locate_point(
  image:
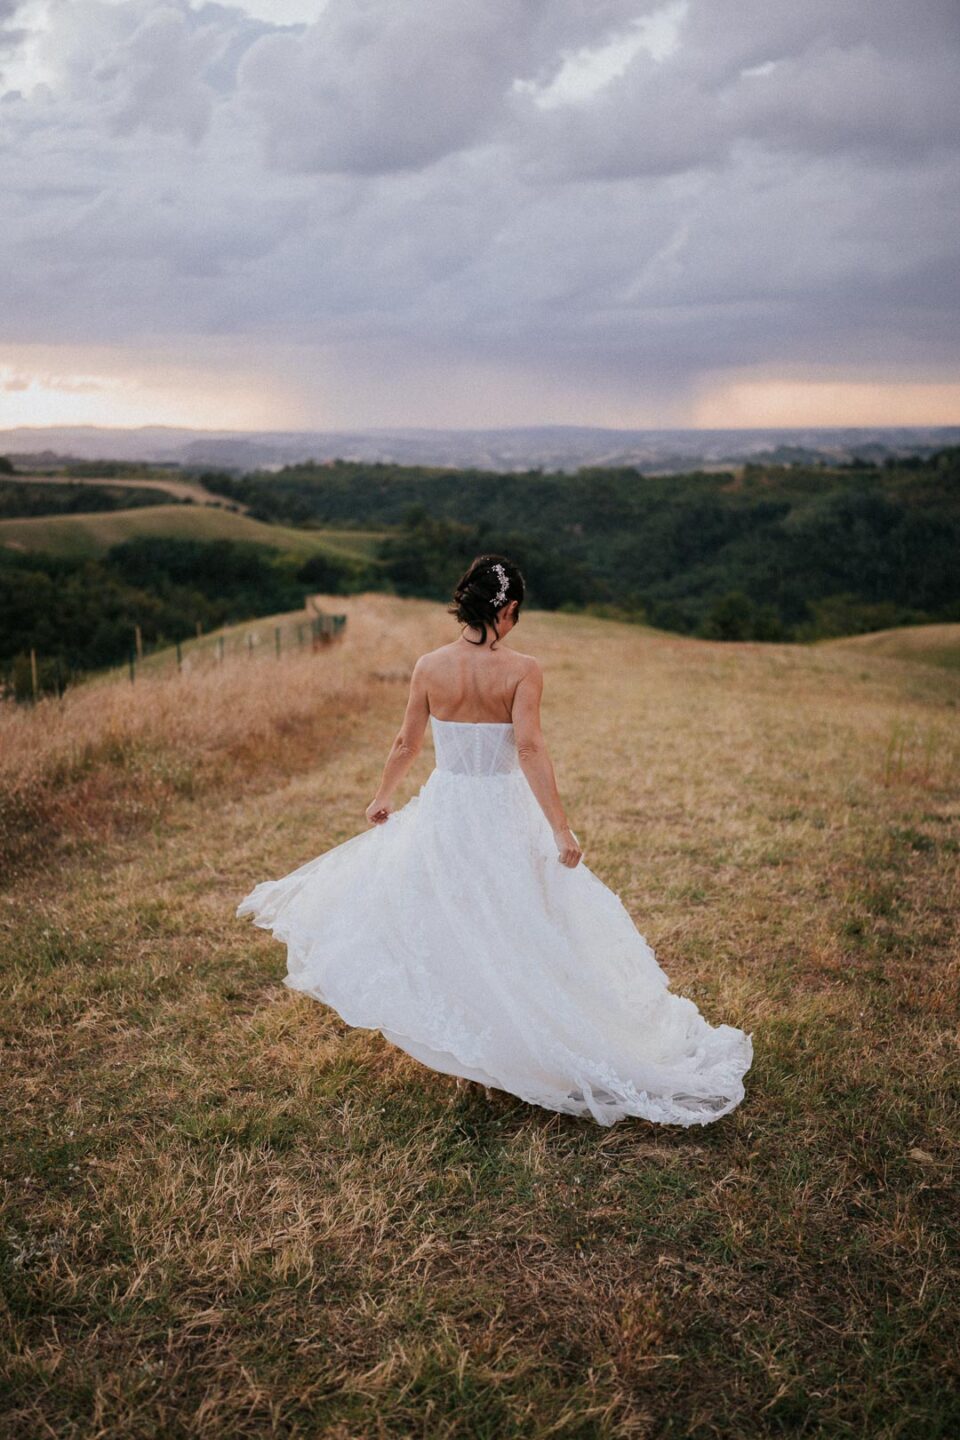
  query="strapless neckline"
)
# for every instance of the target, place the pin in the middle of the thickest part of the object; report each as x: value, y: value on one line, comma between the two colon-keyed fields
x: 504, y: 724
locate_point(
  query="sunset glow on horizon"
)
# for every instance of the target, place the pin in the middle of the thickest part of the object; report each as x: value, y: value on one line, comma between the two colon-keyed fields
x: 126, y: 399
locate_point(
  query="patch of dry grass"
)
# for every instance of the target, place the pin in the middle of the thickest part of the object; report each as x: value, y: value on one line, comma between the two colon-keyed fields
x: 110, y: 755
x: 226, y: 1213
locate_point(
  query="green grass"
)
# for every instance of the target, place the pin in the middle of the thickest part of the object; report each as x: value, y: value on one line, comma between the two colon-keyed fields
x: 94, y: 534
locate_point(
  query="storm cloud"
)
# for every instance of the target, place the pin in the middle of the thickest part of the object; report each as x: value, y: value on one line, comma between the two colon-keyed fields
x: 550, y: 197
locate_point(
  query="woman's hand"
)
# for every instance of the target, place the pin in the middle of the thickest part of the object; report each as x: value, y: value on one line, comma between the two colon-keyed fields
x: 568, y: 847
x: 379, y: 810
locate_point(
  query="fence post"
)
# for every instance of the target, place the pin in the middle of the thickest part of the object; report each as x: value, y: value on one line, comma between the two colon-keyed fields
x: 249, y: 645
x: 139, y: 635
x: 133, y: 663
x: 33, y: 674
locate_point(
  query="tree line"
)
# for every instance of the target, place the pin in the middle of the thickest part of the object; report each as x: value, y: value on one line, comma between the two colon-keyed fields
x: 764, y: 552
x: 21, y: 500
x: 80, y: 614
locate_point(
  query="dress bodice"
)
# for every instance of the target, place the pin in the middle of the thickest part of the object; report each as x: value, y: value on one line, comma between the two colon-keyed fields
x: 474, y: 747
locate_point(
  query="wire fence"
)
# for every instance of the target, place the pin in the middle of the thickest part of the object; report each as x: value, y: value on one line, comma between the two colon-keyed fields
x: 32, y: 676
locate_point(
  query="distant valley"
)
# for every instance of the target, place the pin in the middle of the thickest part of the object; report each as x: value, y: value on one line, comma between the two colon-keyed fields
x: 549, y: 447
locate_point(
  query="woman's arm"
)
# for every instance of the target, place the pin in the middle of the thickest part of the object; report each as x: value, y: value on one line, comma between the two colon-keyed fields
x: 536, y: 764
x: 405, y: 748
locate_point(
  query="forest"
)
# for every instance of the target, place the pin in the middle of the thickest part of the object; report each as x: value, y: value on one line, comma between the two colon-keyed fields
x: 767, y: 552
x: 79, y: 614
x: 778, y: 553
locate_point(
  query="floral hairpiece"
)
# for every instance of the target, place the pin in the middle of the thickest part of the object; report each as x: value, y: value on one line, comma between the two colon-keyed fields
x: 501, y: 594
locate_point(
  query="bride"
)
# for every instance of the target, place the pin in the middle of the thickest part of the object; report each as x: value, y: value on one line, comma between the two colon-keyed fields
x: 465, y: 927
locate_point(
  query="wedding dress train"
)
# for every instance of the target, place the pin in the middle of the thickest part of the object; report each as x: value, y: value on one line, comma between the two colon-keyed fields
x: 453, y: 929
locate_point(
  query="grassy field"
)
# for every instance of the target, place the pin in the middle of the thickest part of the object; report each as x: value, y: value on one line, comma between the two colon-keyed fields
x: 929, y: 644
x: 163, y: 484
x: 91, y: 535
x: 227, y: 1214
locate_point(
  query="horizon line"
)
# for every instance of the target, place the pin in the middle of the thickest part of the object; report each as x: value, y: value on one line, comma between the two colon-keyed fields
x: 481, y: 429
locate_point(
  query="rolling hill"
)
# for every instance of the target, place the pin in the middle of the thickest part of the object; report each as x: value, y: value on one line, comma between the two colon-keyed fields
x: 928, y: 644
x: 224, y: 1202
x: 94, y: 534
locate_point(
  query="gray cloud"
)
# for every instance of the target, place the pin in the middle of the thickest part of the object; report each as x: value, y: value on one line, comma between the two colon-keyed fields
x: 374, y: 86
x: 410, y: 179
x: 812, y: 79
x: 11, y: 36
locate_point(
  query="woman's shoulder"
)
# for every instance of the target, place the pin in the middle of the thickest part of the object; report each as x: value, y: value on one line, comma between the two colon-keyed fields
x: 430, y: 657
x: 529, y: 663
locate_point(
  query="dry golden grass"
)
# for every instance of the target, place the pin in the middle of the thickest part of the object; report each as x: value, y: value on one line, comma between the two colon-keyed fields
x: 110, y: 753
x: 933, y: 644
x: 225, y: 1213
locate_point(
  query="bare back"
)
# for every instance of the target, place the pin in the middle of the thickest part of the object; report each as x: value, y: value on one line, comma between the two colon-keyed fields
x: 477, y: 685
x: 472, y: 682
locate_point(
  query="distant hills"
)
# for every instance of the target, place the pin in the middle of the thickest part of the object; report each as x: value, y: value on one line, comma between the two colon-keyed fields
x: 550, y: 447
x: 754, y: 551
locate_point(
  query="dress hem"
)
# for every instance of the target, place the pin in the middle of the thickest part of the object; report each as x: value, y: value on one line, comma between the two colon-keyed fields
x: 604, y: 1113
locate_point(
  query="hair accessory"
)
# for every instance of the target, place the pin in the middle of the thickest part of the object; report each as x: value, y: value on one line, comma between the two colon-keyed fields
x: 501, y: 594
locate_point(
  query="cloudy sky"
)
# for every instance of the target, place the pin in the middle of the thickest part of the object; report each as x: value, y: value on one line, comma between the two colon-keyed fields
x: 291, y: 213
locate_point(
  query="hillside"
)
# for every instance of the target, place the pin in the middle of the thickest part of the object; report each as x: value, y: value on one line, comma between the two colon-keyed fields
x: 159, y: 481
x: 928, y: 644
x: 764, y: 552
x: 43, y: 496
x: 92, y: 535
x: 227, y: 1213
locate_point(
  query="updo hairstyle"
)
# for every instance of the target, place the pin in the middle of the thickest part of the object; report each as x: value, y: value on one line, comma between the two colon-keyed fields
x: 476, y: 591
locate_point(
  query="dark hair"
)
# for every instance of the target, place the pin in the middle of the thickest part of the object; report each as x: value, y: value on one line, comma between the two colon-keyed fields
x: 477, y: 589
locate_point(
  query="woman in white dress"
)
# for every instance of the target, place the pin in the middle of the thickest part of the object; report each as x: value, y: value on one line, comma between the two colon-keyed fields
x: 465, y: 927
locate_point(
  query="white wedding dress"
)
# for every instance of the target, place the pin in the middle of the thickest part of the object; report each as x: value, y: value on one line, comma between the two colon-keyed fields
x: 453, y: 929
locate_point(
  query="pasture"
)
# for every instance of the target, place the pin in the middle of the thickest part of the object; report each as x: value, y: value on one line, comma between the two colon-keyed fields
x: 169, y: 483
x: 227, y: 1214
x: 92, y: 535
